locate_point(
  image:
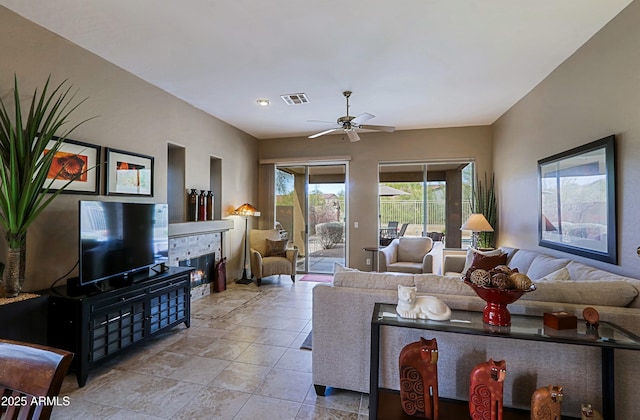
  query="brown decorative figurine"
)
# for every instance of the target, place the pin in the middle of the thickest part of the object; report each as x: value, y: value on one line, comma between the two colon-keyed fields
x: 545, y: 403
x: 485, y: 391
x: 588, y: 413
x: 419, y: 379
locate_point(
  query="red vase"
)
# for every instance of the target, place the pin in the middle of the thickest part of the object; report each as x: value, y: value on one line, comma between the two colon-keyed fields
x: 419, y: 379
x: 485, y: 390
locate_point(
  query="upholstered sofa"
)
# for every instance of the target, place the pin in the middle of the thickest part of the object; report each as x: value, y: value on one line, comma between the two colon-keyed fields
x: 342, y: 315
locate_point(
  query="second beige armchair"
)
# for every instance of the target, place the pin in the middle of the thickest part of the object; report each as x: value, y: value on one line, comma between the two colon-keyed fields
x: 407, y: 255
x: 270, y: 255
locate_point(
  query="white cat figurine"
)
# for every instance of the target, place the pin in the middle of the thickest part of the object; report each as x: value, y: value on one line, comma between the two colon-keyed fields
x: 420, y: 307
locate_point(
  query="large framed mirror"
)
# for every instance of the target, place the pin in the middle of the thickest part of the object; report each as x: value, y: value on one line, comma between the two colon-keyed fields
x: 578, y: 201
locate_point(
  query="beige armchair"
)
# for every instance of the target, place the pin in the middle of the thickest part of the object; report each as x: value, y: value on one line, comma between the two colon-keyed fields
x: 270, y: 255
x: 407, y: 255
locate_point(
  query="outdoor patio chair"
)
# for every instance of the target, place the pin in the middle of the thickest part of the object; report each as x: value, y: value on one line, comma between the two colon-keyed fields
x: 435, y: 236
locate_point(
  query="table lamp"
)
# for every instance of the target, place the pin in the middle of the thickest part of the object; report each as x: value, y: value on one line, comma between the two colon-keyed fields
x: 476, y: 223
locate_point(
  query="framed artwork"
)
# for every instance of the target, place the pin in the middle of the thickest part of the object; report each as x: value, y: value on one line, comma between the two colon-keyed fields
x: 578, y: 201
x: 128, y: 173
x: 77, y: 162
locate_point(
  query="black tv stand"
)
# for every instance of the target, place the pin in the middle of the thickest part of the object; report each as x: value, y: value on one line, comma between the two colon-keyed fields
x: 96, y: 327
x: 74, y: 288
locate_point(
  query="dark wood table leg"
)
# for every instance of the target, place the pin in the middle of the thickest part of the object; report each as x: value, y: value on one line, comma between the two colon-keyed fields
x: 373, y: 371
x: 608, y: 384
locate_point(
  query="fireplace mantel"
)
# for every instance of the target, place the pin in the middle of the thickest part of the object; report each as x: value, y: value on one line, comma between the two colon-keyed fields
x: 191, y: 228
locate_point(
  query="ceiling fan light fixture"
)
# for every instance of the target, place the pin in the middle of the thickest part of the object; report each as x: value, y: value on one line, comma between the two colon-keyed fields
x: 349, y: 124
x: 263, y: 102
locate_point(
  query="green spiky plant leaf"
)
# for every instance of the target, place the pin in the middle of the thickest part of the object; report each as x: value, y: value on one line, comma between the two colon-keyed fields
x: 484, y: 199
x: 24, y: 165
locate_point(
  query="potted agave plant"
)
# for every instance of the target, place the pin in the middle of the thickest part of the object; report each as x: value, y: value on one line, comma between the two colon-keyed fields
x: 28, y: 145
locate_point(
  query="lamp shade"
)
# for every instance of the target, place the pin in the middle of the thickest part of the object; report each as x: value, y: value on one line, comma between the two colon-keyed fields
x: 477, y: 223
x: 246, y: 210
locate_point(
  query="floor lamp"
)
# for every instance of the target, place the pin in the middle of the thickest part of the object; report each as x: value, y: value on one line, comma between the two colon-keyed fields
x: 476, y: 223
x: 245, y: 210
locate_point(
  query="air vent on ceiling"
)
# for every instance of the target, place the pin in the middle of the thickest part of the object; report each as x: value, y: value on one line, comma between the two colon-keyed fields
x: 295, y: 98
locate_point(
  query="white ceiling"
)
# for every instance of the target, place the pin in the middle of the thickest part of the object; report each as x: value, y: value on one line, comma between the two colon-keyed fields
x: 412, y: 63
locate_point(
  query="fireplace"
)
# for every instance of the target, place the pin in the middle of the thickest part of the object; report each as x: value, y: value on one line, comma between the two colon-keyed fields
x: 204, y: 268
x: 198, y: 245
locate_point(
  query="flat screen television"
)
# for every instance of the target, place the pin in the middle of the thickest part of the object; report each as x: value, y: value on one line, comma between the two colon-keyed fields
x: 118, y: 240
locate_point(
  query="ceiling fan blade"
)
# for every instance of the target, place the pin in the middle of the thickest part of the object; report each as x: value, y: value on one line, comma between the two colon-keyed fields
x: 362, y: 118
x: 321, y: 121
x: 387, y: 128
x: 353, y: 136
x: 322, y: 133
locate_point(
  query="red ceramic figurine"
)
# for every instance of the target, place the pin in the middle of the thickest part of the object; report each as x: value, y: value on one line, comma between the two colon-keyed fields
x: 485, y: 391
x: 419, y: 379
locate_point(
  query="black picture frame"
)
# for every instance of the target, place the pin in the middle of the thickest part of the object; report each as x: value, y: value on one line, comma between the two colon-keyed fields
x: 577, y: 201
x: 128, y: 173
x: 73, y: 158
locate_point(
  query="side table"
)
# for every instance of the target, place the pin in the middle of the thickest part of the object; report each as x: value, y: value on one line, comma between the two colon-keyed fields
x: 374, y: 255
x: 523, y: 327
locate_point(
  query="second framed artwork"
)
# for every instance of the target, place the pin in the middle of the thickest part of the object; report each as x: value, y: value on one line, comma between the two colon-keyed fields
x: 128, y: 173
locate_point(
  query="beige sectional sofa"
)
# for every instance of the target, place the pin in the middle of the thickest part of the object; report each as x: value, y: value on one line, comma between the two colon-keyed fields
x: 341, y: 333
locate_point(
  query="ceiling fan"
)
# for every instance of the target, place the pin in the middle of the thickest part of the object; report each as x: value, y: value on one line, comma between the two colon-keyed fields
x: 349, y: 124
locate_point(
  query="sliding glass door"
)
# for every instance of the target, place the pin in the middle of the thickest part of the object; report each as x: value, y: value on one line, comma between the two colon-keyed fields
x: 311, y: 207
x: 425, y: 199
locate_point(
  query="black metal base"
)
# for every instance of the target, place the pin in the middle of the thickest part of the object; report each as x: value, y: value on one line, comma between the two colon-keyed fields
x: 244, y: 279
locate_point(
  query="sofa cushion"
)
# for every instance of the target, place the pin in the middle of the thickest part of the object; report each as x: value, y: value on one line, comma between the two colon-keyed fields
x: 522, y: 260
x: 558, y: 275
x: 582, y: 271
x: 405, y: 267
x: 605, y: 293
x: 413, y: 249
x: 337, y: 267
x: 543, y: 265
x: 442, y: 285
x: 372, y: 280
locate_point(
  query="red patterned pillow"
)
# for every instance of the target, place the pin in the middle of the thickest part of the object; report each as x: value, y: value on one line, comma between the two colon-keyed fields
x: 488, y: 262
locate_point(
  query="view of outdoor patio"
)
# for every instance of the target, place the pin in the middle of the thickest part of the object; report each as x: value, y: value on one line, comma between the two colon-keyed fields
x: 313, y: 210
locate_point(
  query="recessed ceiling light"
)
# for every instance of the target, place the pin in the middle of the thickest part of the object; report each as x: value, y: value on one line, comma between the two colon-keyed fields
x: 263, y: 102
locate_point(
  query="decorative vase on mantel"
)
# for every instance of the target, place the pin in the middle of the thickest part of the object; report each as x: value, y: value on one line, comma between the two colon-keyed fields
x: 15, y: 271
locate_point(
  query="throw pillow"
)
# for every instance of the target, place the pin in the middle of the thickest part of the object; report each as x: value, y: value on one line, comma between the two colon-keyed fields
x: 339, y: 268
x: 605, y: 293
x: 276, y: 248
x: 472, y: 251
x: 558, y: 275
x: 488, y: 262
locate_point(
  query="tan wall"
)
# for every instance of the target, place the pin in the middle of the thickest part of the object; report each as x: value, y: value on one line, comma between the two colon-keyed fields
x: 596, y: 92
x: 362, y: 188
x: 133, y: 116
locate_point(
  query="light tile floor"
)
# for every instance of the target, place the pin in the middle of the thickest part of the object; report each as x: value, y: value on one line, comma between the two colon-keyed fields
x: 239, y: 360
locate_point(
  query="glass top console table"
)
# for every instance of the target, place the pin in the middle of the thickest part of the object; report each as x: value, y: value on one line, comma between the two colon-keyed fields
x: 607, y: 336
